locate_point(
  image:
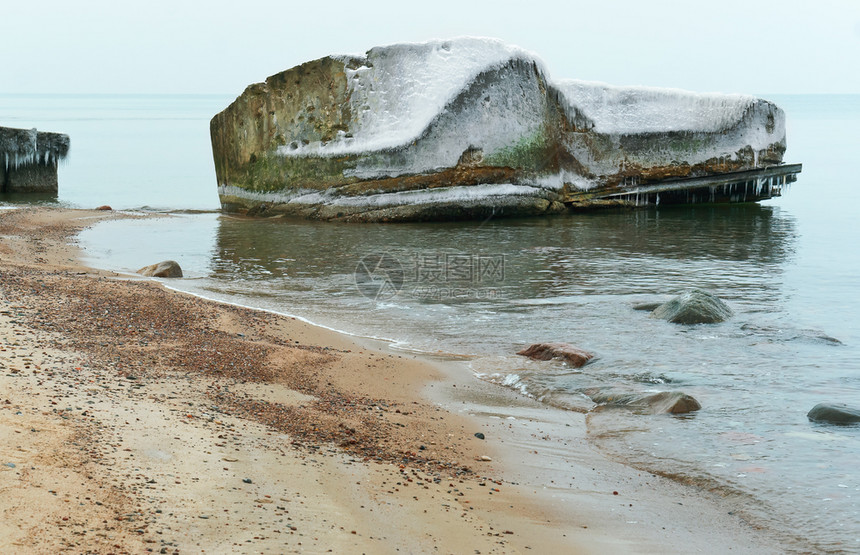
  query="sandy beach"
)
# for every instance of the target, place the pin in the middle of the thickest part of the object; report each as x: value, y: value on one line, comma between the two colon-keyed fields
x: 137, y: 419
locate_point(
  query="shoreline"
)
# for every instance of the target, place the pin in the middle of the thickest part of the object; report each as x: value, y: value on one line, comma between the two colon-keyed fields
x: 319, y: 412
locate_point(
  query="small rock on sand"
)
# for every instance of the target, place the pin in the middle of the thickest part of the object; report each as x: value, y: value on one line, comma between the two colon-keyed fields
x: 166, y: 269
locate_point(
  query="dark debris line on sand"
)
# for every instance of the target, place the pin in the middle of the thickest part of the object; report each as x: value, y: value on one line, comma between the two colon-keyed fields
x: 139, y: 330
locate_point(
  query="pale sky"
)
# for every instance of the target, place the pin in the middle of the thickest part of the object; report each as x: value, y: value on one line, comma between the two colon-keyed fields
x: 220, y: 46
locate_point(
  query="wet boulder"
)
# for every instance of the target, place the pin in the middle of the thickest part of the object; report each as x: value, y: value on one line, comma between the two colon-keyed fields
x: 674, y: 402
x: 693, y: 306
x: 165, y: 269
x: 834, y: 413
x: 573, y: 356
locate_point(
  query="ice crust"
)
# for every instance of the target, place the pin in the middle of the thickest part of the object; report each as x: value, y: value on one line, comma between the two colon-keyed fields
x: 618, y: 110
x: 490, y: 114
x: 400, y: 89
x: 436, y: 196
x: 22, y: 147
x: 382, y: 200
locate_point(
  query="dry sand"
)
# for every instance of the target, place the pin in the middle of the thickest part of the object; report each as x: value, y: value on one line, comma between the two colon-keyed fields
x: 135, y: 419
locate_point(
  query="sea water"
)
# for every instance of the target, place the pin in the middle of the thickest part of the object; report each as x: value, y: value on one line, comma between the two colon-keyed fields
x: 127, y: 151
x: 788, y: 268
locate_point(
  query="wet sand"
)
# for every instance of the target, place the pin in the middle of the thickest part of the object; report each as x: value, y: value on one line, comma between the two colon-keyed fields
x: 137, y: 419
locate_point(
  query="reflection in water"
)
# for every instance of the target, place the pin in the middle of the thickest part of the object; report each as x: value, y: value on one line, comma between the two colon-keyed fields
x: 487, y: 287
x: 602, y: 254
x: 28, y: 199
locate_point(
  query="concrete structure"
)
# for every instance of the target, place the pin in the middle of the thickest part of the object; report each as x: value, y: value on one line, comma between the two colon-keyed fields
x: 29, y: 158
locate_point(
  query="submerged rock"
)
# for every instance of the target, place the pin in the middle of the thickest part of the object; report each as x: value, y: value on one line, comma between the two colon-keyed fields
x: 674, y: 402
x: 649, y: 307
x: 694, y: 306
x: 563, y: 351
x: 834, y: 413
x: 792, y: 334
x: 472, y: 128
x: 166, y: 269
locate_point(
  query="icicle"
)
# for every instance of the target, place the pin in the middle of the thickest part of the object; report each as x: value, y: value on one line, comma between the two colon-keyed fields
x: 658, y: 199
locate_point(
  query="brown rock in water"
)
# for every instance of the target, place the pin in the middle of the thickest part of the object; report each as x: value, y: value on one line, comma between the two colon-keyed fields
x: 166, y: 269
x: 673, y: 402
x: 564, y: 351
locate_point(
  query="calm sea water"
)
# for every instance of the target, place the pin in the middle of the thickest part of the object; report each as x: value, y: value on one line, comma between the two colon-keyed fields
x: 790, y: 268
x: 127, y: 151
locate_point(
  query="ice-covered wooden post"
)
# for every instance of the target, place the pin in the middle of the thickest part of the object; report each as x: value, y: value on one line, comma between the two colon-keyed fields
x: 28, y: 160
